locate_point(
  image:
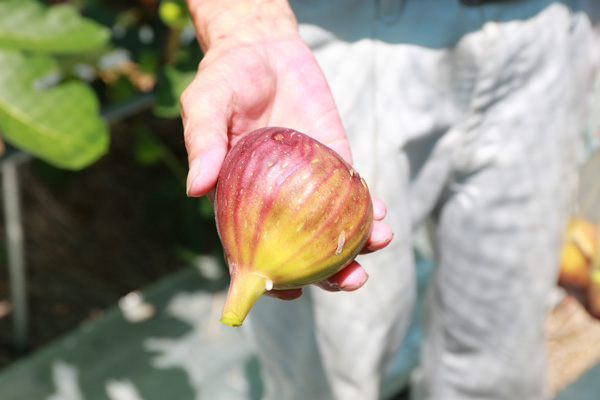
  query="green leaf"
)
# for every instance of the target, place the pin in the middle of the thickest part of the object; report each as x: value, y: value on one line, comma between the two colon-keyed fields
x: 171, y: 84
x: 205, y: 208
x: 174, y: 13
x: 147, y: 149
x: 28, y: 25
x: 61, y: 125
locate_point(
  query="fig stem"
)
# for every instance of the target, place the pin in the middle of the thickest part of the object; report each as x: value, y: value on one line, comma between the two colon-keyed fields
x: 244, y: 290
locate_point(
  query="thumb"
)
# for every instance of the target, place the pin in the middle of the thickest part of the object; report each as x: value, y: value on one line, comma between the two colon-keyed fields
x: 205, y: 160
x: 205, y: 133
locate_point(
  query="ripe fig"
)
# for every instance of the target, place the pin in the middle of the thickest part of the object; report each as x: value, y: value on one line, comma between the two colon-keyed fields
x: 578, y: 253
x: 290, y: 212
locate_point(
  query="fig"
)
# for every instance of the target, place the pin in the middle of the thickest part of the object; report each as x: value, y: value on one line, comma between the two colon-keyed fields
x: 289, y: 212
x: 578, y: 252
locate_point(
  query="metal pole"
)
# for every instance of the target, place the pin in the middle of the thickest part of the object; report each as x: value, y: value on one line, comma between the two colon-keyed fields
x: 16, y: 253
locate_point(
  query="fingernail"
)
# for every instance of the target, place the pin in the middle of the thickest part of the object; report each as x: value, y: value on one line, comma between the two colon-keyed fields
x: 350, y: 288
x: 374, y: 246
x: 192, y: 174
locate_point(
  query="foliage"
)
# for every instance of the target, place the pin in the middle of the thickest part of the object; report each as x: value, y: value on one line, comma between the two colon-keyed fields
x: 27, y: 25
x: 62, y: 62
x: 173, y: 80
x: 55, y: 120
x: 59, y: 124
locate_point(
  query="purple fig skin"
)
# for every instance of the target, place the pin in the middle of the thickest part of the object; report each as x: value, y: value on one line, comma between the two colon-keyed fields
x: 289, y: 212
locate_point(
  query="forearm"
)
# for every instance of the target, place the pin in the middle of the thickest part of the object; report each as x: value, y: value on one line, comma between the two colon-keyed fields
x: 222, y: 20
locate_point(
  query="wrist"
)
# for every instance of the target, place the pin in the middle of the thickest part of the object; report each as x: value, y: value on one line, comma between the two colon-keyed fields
x: 220, y: 21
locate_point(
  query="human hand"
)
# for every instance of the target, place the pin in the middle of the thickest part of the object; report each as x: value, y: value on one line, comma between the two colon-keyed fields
x: 261, y: 74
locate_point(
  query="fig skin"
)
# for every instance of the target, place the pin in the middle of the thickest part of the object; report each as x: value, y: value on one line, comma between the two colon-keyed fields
x: 289, y: 212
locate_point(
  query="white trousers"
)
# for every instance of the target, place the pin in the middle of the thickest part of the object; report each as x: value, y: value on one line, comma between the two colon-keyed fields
x: 470, y: 117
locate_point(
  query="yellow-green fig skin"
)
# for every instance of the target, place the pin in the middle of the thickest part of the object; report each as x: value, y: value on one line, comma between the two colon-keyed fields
x: 290, y: 212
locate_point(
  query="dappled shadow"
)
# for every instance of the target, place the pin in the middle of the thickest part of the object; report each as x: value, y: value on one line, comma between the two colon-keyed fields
x: 162, y: 343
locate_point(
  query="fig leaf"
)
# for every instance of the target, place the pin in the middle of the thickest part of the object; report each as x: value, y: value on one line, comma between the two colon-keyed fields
x: 56, y: 122
x: 29, y: 25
